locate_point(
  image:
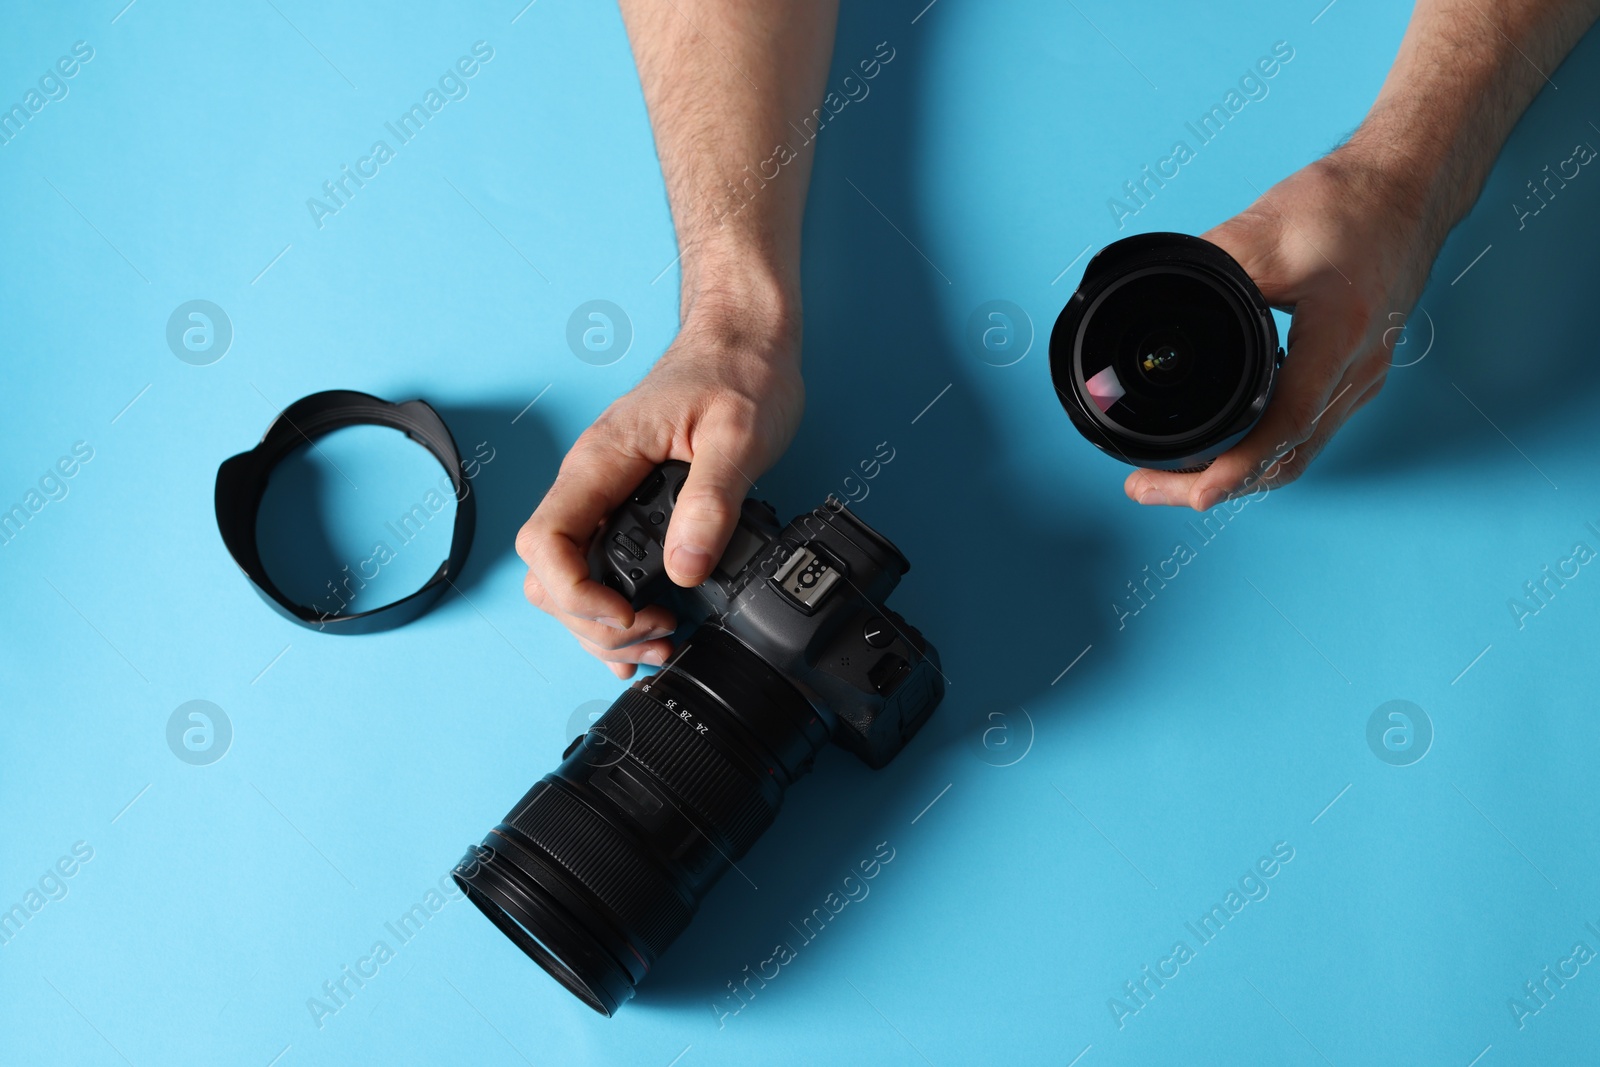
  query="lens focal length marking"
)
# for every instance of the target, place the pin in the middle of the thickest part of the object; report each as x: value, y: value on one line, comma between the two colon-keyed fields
x: 679, y: 710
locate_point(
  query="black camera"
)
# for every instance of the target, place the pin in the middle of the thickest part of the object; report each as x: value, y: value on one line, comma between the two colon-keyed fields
x: 1165, y: 356
x: 604, y: 862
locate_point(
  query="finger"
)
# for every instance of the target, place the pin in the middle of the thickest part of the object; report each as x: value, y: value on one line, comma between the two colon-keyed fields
x: 1310, y: 377
x: 650, y: 653
x: 1363, y: 380
x: 1367, y: 396
x: 1274, y: 452
x: 708, y: 507
x: 1281, y: 469
x: 650, y: 622
x: 1293, y: 465
x: 595, y: 477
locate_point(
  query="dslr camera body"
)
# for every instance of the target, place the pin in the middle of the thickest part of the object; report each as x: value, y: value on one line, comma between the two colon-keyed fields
x: 808, y: 599
x: 790, y: 645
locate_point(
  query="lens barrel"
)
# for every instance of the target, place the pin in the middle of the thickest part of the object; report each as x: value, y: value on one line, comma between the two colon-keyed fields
x: 1166, y: 355
x: 605, y: 861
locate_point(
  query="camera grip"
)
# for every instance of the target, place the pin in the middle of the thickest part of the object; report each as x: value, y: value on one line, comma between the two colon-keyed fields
x: 626, y: 555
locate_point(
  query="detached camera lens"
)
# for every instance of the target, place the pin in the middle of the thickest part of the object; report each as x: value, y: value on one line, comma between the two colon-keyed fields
x: 1165, y: 356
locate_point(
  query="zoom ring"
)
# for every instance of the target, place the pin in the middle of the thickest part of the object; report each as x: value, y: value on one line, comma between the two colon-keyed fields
x: 718, y: 791
x: 598, y: 857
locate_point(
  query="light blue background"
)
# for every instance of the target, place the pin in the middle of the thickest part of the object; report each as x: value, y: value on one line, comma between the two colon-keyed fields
x: 1222, y: 719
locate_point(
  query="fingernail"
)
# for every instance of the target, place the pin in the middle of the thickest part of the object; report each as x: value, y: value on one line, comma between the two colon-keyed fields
x: 615, y: 624
x: 659, y: 631
x: 690, y: 561
x: 1211, y: 498
x: 1152, y: 496
x: 655, y: 657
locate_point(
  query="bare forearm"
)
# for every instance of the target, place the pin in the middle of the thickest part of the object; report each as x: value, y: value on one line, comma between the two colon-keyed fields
x: 1466, y: 71
x: 728, y: 82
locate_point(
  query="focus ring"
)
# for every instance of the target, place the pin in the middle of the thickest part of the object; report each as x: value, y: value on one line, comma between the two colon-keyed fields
x: 718, y: 791
x: 599, y: 858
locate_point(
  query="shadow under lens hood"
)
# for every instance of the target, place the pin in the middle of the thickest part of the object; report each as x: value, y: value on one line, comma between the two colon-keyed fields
x: 1176, y: 253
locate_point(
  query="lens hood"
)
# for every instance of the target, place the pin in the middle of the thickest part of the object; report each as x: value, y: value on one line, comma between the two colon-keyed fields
x: 242, y: 482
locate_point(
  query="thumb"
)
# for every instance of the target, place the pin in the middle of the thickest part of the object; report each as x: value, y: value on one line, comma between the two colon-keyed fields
x: 706, y: 511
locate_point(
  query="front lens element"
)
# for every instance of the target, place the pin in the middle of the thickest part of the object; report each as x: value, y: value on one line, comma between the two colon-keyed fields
x: 1176, y: 343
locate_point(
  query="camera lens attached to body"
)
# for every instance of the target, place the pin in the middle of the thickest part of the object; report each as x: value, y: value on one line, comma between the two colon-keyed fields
x: 1165, y: 356
x: 604, y: 862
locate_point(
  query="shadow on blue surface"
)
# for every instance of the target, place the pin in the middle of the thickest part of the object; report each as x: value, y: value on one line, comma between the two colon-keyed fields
x: 509, y: 487
x: 293, y: 532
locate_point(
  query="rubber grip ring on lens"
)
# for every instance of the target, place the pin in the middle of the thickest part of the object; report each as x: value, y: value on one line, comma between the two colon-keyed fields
x: 723, y: 793
x: 602, y: 860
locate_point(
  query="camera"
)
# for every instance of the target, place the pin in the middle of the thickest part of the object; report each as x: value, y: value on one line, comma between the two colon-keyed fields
x: 1166, y: 354
x: 604, y: 862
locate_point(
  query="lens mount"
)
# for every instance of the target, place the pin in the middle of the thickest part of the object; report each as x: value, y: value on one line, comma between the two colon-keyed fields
x: 1166, y: 354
